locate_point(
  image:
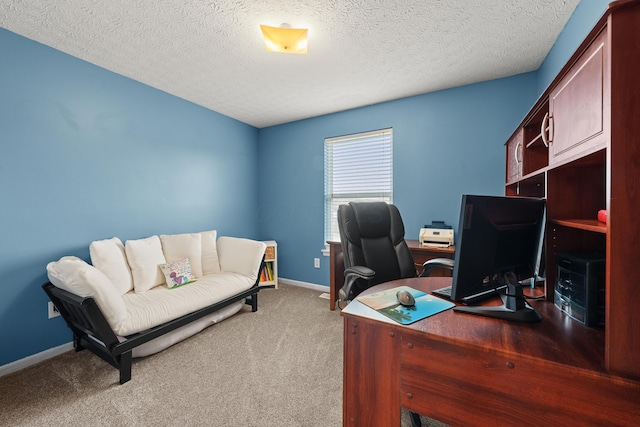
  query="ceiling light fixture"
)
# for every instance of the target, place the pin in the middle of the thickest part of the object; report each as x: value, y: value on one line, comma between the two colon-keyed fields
x: 285, y: 39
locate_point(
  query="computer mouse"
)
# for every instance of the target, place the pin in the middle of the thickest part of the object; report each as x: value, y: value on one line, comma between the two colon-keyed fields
x: 405, y: 298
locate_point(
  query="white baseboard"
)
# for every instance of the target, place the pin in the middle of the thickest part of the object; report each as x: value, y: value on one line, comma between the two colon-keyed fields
x: 18, y: 365
x: 307, y: 285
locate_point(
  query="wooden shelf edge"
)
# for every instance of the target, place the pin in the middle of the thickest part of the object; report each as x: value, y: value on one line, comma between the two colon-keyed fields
x: 582, y: 224
x: 534, y: 174
x: 527, y: 177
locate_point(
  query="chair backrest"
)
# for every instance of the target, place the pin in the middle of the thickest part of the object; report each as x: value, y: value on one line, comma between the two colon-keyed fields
x: 372, y: 235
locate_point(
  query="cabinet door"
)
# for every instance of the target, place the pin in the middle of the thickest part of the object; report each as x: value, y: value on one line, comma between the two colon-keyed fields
x: 514, y: 157
x: 577, y: 106
x: 371, y: 381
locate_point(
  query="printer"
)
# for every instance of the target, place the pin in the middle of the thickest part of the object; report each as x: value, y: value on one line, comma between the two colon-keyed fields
x: 437, y: 235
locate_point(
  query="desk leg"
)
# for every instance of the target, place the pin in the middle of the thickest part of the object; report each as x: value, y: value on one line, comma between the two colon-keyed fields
x: 371, y: 387
x: 336, y: 274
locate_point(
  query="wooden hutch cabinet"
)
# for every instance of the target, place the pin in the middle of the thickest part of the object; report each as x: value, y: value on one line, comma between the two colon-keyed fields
x: 579, y: 147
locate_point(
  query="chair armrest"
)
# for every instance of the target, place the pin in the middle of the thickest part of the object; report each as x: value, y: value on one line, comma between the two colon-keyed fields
x: 436, y: 263
x: 360, y: 272
x: 351, y: 275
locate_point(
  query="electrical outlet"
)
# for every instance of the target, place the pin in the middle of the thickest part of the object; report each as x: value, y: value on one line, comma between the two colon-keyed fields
x: 53, y: 310
x: 316, y: 262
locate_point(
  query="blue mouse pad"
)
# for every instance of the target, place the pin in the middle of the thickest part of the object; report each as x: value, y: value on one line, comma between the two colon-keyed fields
x: 386, y: 302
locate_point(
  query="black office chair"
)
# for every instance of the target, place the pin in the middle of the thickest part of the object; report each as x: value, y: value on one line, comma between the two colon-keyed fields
x: 374, y: 250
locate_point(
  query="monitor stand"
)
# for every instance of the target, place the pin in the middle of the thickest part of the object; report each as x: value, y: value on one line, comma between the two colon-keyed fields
x: 514, y: 308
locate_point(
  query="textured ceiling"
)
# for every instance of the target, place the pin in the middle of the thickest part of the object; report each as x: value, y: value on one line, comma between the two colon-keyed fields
x: 361, y: 52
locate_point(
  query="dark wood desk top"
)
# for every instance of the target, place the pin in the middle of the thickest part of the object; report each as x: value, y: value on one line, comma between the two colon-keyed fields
x: 556, y: 339
x: 414, y: 245
x: 453, y: 364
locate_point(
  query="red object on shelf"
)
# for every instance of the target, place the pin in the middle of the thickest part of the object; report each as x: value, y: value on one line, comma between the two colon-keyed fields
x: 602, y: 215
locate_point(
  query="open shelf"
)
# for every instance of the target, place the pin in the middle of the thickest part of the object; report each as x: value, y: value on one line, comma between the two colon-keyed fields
x: 532, y: 185
x: 576, y: 191
x: 582, y: 224
x: 536, y: 150
x: 269, y: 273
x: 538, y: 139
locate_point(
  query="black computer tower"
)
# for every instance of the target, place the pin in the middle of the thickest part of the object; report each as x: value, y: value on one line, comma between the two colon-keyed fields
x: 580, y: 286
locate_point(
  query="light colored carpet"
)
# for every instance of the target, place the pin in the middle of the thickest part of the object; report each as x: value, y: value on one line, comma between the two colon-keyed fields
x: 280, y: 366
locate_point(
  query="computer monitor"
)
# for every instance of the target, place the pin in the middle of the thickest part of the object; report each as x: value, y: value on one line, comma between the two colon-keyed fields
x: 499, y: 243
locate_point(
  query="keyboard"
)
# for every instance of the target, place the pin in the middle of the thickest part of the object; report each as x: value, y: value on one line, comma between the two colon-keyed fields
x: 443, y: 292
x: 473, y: 299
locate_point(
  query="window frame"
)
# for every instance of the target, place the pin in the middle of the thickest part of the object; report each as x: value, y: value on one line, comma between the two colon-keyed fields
x: 355, y: 174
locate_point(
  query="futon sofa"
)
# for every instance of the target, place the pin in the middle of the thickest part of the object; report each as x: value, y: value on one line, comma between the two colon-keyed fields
x: 140, y: 297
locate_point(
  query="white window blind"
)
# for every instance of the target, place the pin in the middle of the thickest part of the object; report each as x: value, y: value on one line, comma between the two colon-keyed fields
x: 357, y: 167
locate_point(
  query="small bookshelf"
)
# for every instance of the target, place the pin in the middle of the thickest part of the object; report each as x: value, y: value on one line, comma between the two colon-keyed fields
x: 269, y: 273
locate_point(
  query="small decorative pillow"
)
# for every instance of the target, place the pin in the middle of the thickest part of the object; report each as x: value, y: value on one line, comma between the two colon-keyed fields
x: 177, y: 273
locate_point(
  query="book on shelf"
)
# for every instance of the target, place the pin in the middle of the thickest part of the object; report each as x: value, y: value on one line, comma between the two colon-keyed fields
x: 270, y: 270
x: 266, y: 274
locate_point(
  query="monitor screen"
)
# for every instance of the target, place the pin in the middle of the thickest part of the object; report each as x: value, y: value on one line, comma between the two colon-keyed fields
x: 496, y: 235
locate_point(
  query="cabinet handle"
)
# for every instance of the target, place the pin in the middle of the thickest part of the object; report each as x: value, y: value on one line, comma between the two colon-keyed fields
x: 515, y: 153
x: 543, y: 129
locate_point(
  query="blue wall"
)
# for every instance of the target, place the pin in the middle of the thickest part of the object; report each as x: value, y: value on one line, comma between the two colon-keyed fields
x: 584, y: 17
x: 87, y: 154
x: 445, y: 144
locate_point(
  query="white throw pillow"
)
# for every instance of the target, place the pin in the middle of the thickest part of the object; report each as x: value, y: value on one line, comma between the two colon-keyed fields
x: 144, y: 256
x: 179, y: 246
x: 109, y: 257
x: 76, y: 276
x: 210, y: 262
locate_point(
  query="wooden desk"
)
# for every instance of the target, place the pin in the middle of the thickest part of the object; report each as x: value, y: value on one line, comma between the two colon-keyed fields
x: 421, y: 254
x: 469, y: 370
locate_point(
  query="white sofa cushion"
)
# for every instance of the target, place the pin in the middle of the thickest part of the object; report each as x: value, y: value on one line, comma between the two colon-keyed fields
x: 109, y: 257
x: 180, y: 246
x: 184, y: 332
x: 210, y: 263
x: 76, y: 276
x: 242, y: 256
x: 160, y: 305
x: 145, y: 256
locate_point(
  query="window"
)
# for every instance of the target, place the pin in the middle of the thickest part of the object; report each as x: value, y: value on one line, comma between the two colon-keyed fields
x: 357, y: 167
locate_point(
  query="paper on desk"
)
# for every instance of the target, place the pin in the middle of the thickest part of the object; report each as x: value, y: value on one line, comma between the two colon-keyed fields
x: 386, y: 302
